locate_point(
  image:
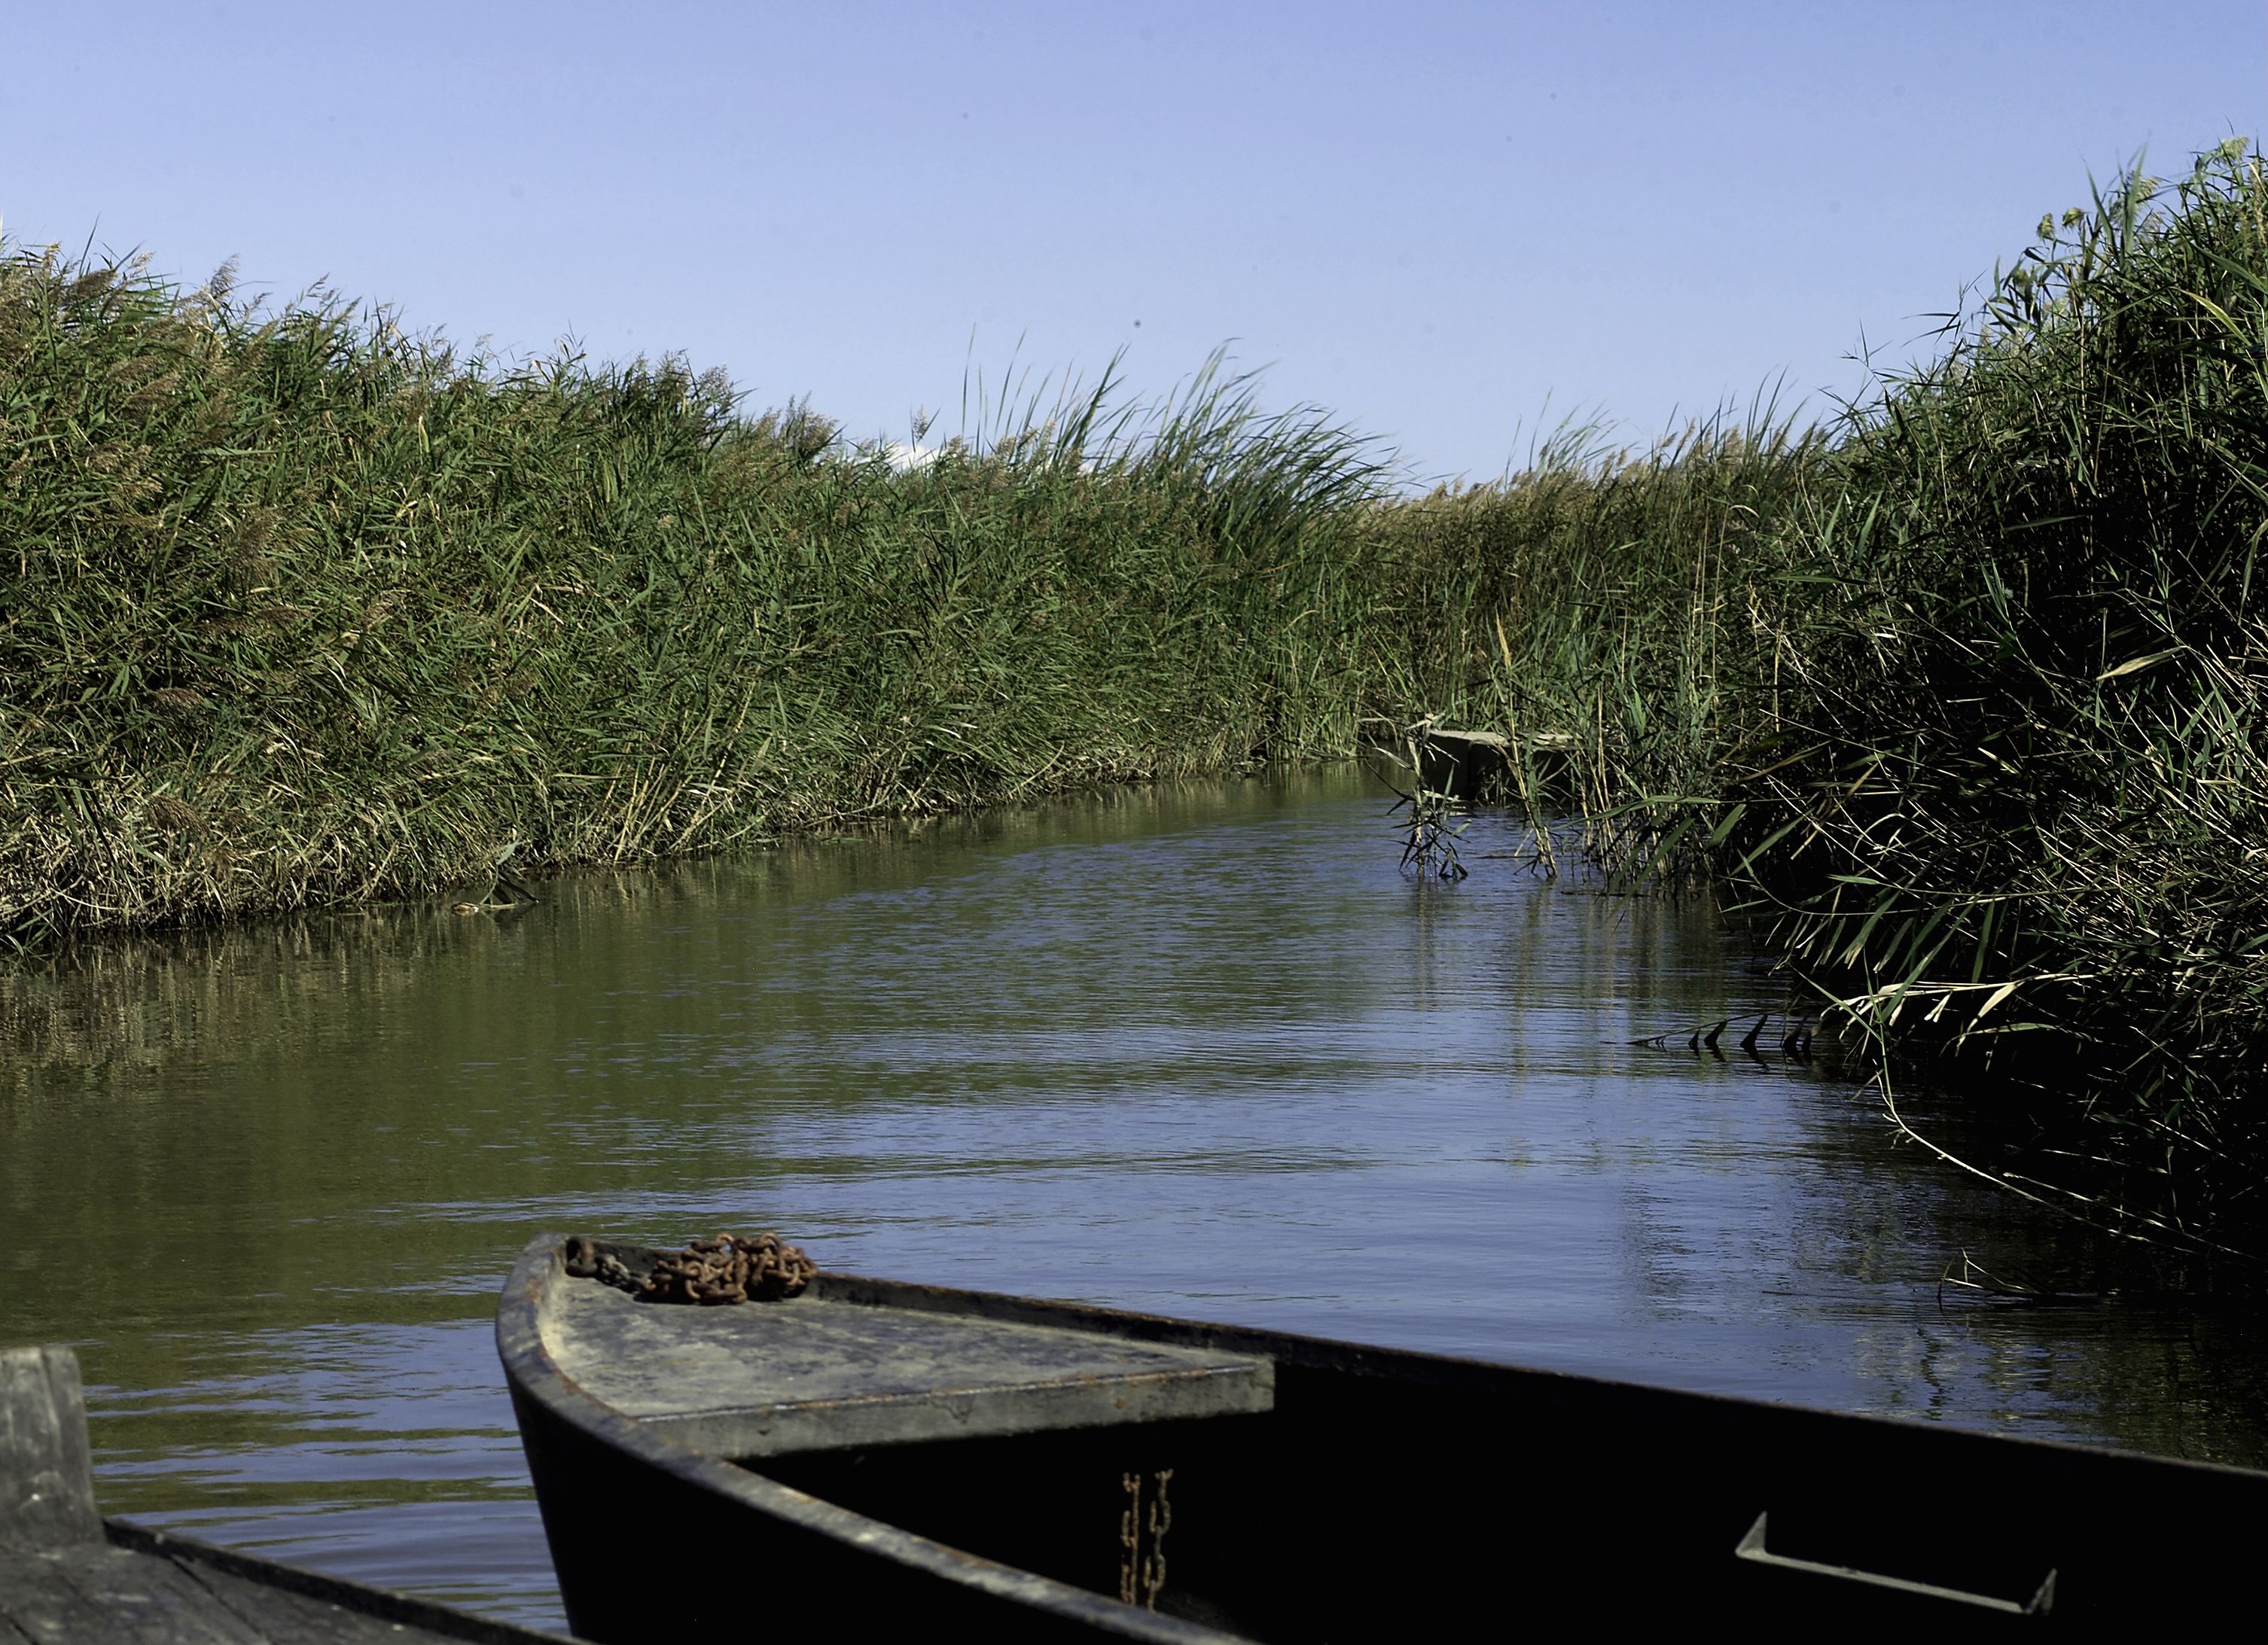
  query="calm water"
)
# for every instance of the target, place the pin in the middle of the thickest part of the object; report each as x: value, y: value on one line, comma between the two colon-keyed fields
x: 1199, y: 1049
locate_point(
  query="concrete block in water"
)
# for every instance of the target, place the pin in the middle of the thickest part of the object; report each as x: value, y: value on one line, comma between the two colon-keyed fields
x: 1481, y: 766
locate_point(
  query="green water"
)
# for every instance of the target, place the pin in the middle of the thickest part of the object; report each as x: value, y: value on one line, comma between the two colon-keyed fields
x: 1199, y: 1049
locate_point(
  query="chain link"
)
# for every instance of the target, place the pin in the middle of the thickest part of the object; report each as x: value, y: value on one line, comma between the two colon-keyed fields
x: 726, y: 1269
x: 1141, y: 1576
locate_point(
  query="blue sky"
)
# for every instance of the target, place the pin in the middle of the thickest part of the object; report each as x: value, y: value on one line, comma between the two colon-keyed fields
x: 1447, y: 222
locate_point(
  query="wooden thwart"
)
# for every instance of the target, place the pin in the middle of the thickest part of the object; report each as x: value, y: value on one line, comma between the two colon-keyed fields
x: 765, y: 1379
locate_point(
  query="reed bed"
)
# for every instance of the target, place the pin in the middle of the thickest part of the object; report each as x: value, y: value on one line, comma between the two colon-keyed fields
x: 1961, y: 696
x: 1595, y: 607
x: 2013, y: 814
x: 298, y: 609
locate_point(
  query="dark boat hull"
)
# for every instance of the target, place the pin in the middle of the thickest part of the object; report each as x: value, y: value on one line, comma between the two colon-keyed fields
x: 1387, y: 1493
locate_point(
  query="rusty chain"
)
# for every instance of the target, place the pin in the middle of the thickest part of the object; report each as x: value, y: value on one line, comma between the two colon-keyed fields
x: 726, y: 1269
x: 1142, y: 1575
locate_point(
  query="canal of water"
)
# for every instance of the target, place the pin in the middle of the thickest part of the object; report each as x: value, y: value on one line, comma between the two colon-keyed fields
x: 1200, y: 1049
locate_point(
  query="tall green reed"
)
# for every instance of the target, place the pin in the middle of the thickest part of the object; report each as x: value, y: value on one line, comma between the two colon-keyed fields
x: 2017, y: 805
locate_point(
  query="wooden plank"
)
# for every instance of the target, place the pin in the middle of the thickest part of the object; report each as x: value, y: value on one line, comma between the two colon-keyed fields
x: 47, y: 1477
x: 62, y: 1580
x: 86, y: 1594
x: 293, y: 1603
x: 90, y: 1592
x: 769, y: 1379
x: 279, y: 1614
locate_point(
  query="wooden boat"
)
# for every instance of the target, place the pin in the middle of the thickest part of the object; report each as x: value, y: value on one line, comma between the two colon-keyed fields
x: 69, y: 1575
x: 884, y: 1460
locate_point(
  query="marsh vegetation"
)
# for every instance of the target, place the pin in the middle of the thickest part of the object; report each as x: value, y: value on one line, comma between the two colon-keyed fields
x: 1959, y: 692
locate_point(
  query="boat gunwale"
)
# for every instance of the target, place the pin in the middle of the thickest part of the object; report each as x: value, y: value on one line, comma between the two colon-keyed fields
x: 1416, y: 1366
x: 388, y: 1604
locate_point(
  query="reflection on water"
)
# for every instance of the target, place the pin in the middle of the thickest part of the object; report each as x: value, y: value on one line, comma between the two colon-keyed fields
x: 1199, y: 1049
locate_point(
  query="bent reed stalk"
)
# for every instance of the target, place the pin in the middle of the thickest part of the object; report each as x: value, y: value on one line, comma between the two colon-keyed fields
x: 1959, y: 694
